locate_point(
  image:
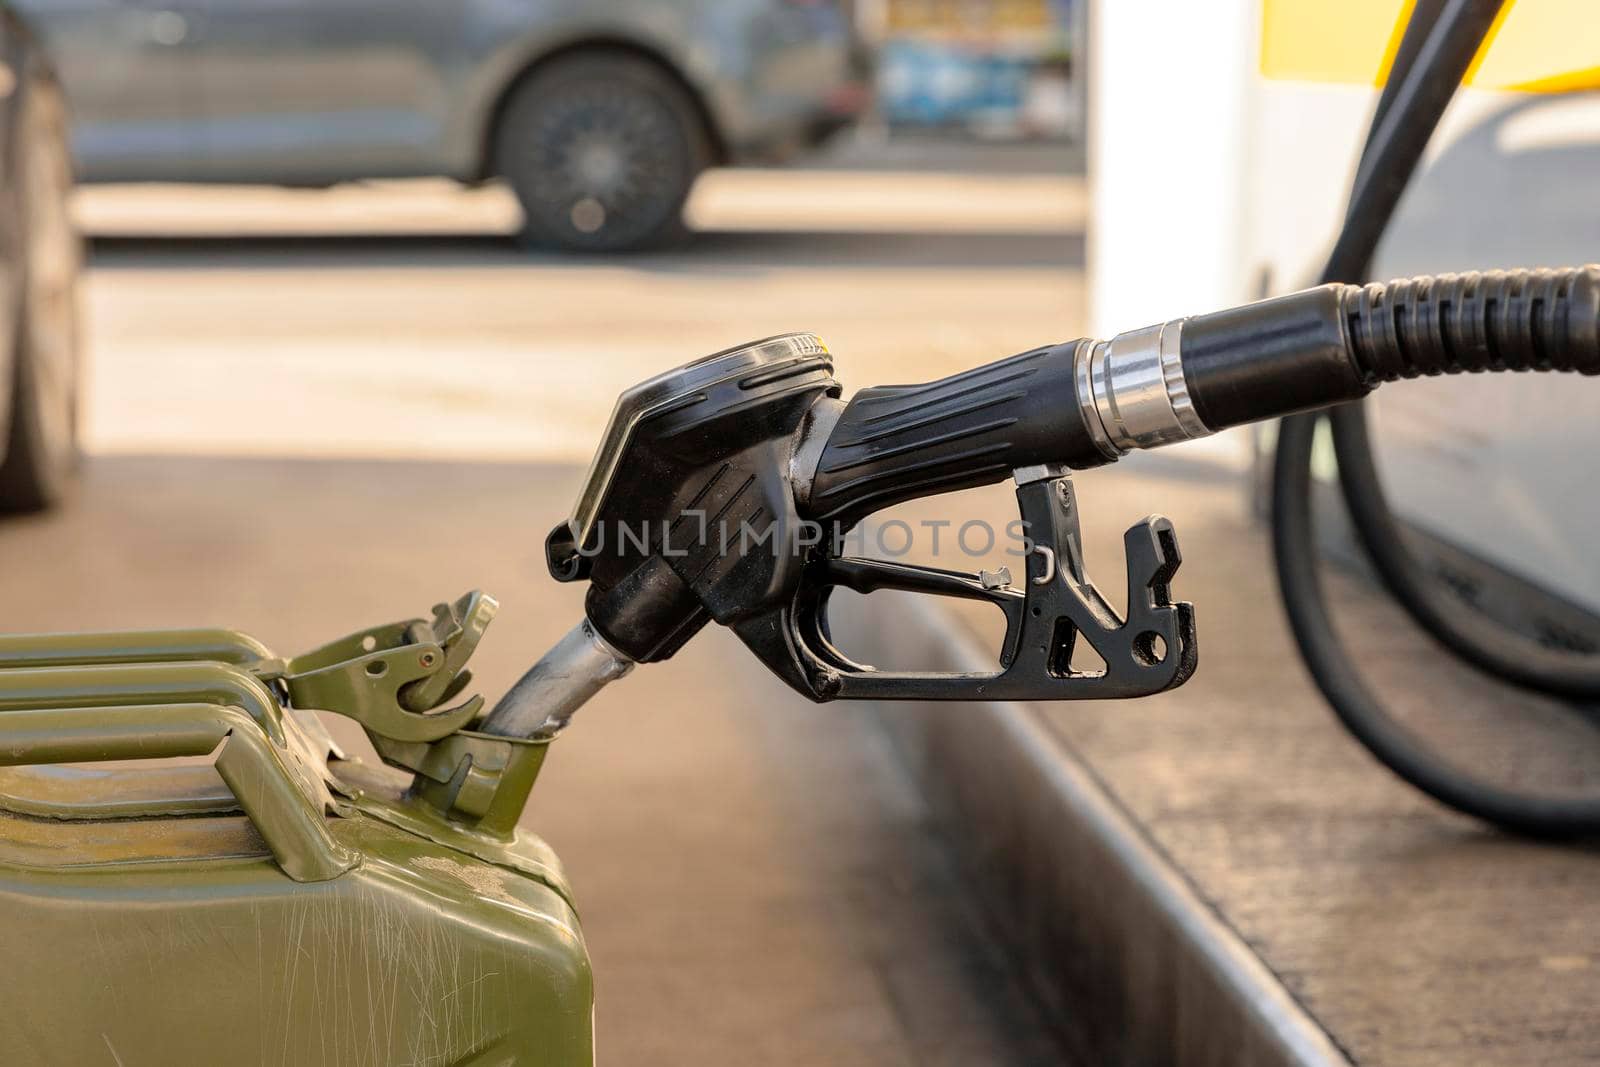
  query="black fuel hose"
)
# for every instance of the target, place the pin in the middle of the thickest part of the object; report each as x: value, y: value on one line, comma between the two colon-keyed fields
x: 1361, y: 711
x: 1471, y: 635
x: 1439, y: 44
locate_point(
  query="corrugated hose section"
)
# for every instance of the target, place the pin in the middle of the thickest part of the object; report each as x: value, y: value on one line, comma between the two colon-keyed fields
x: 1525, y: 320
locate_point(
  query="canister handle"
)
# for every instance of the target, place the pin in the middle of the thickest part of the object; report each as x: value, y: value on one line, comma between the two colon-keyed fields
x: 247, y: 761
x: 130, y: 646
x: 144, y: 684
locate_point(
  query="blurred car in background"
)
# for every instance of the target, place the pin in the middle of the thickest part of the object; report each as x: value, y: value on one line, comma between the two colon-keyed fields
x: 39, y: 263
x: 598, y: 113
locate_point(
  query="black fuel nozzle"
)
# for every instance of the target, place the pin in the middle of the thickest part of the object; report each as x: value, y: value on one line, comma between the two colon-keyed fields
x: 723, y: 488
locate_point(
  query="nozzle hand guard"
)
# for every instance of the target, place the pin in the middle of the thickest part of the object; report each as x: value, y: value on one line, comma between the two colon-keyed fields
x: 1152, y: 650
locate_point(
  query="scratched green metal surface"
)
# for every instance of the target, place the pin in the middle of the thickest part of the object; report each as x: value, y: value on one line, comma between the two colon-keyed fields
x: 210, y: 954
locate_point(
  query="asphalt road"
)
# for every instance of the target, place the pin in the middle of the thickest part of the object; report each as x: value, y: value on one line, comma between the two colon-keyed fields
x: 299, y: 435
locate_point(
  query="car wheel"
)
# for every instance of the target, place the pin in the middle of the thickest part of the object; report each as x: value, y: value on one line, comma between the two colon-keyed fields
x: 41, y: 452
x: 601, y: 151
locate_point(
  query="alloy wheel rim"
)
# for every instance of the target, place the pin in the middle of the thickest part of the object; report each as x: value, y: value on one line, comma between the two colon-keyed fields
x: 612, y: 162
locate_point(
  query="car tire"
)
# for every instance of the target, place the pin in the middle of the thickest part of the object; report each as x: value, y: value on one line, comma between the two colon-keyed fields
x: 41, y: 449
x: 601, y: 151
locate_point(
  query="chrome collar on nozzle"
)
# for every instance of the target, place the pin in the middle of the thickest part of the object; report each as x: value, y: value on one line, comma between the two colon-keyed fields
x: 1132, y: 392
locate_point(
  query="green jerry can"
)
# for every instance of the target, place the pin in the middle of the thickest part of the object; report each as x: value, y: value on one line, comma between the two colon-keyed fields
x: 269, y: 900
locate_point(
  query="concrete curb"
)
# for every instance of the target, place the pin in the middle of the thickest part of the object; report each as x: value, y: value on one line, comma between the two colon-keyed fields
x: 1116, y: 941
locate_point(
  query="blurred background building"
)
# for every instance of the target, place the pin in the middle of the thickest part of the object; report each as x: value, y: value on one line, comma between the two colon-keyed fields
x: 995, y: 70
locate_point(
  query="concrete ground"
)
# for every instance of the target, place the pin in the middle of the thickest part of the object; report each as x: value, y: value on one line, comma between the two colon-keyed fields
x: 1410, y: 935
x: 302, y: 435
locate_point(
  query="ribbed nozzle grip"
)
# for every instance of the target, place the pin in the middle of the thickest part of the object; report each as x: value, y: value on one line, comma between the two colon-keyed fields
x: 896, y: 442
x: 1534, y: 320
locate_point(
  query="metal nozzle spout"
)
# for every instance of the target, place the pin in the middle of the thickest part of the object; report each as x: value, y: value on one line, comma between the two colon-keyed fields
x: 543, y: 701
